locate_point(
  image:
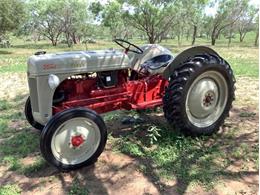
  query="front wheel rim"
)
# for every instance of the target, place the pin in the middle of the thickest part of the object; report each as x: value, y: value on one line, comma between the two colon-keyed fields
x: 206, y: 99
x: 75, y: 141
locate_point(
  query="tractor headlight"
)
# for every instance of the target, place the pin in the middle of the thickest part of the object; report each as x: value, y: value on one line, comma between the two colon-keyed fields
x: 53, y: 81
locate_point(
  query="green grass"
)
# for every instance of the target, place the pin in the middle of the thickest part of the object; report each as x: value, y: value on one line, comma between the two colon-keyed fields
x: 18, y: 143
x: 77, y: 189
x: 38, y: 165
x: 4, y: 105
x: 173, y: 156
x: 243, y: 57
x: 245, y: 67
x: 21, y: 144
x: 10, y: 190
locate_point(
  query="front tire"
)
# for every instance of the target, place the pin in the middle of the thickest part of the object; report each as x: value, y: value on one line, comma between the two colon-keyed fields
x: 73, y: 139
x: 199, y: 95
x: 29, y: 116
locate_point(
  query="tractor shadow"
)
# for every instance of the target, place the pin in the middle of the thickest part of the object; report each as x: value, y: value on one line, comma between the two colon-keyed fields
x: 204, y: 160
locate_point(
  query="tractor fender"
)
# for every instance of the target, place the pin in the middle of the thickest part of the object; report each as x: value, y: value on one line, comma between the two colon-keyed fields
x: 185, y: 55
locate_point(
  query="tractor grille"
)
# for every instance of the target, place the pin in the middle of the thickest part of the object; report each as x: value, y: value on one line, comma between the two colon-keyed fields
x: 34, y: 94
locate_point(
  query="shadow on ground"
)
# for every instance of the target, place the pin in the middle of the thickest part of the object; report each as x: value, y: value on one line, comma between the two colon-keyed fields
x: 173, y: 157
x: 39, y: 46
x: 203, y: 160
x: 2, y: 52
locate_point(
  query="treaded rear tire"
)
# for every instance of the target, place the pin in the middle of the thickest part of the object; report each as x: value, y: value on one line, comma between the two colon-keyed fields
x: 179, y: 83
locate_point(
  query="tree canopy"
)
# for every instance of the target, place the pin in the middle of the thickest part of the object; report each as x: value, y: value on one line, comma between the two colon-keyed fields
x: 72, y: 21
x: 12, y: 13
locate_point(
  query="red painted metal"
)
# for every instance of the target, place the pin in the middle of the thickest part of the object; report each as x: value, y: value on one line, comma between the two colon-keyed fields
x: 145, y: 92
x: 77, y: 140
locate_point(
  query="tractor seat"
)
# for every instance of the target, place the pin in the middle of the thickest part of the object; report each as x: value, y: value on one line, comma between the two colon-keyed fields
x: 158, y: 62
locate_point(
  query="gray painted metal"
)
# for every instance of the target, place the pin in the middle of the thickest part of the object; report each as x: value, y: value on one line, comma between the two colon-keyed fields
x: 77, y: 62
x: 188, y: 53
x: 200, y: 111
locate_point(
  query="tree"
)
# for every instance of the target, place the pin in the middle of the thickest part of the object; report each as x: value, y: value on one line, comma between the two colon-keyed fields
x: 111, y: 16
x: 195, y: 15
x: 46, y: 18
x: 229, y: 11
x: 245, y: 22
x: 154, y: 18
x: 74, y: 20
x: 12, y: 14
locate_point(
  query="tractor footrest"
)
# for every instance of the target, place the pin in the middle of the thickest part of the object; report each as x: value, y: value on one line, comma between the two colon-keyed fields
x: 146, y: 105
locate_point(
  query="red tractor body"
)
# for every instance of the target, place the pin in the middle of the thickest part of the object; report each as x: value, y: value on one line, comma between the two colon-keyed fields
x: 142, y: 93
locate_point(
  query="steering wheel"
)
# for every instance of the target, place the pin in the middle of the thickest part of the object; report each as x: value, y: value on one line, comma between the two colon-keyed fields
x: 136, y: 49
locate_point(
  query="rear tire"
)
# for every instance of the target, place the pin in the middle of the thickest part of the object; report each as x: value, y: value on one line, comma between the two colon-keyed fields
x: 29, y: 116
x: 199, y: 95
x: 73, y: 139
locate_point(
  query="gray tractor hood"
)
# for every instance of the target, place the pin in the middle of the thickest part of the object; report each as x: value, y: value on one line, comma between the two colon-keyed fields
x: 77, y: 62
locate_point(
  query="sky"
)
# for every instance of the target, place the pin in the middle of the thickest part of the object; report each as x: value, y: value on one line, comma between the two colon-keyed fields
x: 211, y: 11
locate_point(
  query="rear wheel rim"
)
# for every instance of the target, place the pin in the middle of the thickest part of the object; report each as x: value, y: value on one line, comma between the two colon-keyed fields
x: 65, y: 147
x: 206, y: 99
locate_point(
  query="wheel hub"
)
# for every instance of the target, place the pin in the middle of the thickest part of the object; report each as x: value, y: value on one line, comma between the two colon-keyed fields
x: 77, y: 140
x: 208, y: 99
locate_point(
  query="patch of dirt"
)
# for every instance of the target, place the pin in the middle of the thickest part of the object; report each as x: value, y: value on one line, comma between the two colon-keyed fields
x: 112, y: 174
x: 13, y: 84
x: 116, y: 173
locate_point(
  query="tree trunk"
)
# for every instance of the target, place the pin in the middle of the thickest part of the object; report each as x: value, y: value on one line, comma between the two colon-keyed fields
x: 213, y: 40
x: 213, y: 37
x: 187, y: 35
x: 54, y: 43
x: 240, y: 37
x: 69, y: 43
x: 179, y: 40
x: 243, y: 36
x: 208, y: 35
x: 73, y: 37
x: 151, y: 39
x: 229, y: 38
x: 160, y: 39
x: 256, y: 38
x: 194, y: 34
x: 230, y: 35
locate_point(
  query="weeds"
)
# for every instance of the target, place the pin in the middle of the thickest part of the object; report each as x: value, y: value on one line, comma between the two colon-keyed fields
x: 247, y: 114
x: 153, y: 134
x: 4, y: 105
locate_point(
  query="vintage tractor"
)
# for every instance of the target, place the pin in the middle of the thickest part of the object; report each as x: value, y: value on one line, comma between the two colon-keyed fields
x: 69, y: 90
